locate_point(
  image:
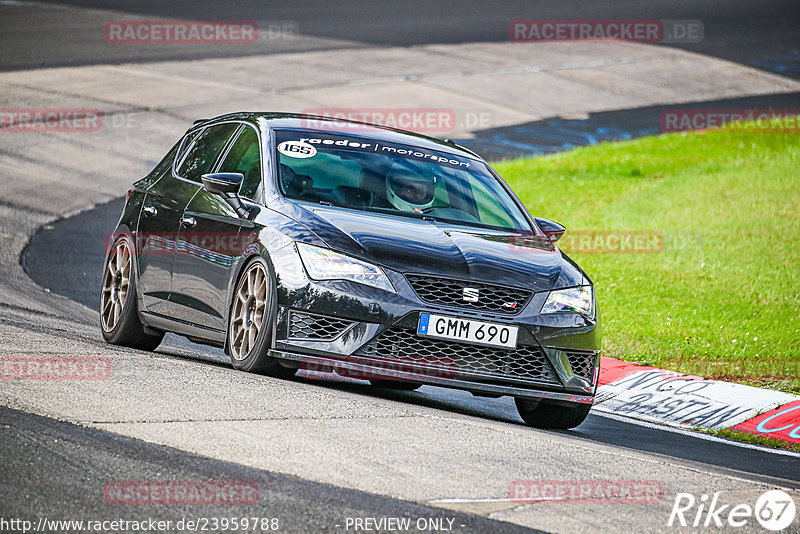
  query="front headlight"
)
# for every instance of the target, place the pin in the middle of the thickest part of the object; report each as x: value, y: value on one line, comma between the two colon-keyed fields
x: 325, y: 264
x: 572, y: 300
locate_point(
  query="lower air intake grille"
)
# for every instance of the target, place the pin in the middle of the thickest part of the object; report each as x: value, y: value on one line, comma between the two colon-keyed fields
x: 315, y: 327
x: 582, y: 364
x: 403, y: 345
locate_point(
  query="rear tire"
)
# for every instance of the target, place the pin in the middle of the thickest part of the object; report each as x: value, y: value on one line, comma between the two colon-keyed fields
x: 556, y: 416
x: 119, y: 313
x: 395, y: 384
x: 251, y: 322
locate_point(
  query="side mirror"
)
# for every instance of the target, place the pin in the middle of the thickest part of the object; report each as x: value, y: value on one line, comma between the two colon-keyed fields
x: 223, y: 183
x: 226, y: 185
x: 552, y: 230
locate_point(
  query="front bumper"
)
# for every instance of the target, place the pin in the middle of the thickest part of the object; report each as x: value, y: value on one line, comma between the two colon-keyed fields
x: 369, y: 333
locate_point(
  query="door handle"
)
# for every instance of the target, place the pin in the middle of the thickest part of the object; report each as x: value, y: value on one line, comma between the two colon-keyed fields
x: 188, y: 221
x: 150, y: 211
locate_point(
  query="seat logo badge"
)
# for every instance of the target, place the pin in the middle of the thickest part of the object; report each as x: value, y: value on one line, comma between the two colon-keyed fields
x: 471, y: 294
x: 510, y: 305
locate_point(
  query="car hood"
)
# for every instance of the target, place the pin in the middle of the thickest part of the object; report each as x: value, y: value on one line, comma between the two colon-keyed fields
x: 432, y: 247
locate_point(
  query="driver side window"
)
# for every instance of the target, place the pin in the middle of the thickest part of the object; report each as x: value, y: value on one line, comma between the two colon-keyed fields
x: 245, y: 157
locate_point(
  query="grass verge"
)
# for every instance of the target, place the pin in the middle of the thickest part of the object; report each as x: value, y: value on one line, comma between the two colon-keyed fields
x: 755, y: 439
x: 720, y: 296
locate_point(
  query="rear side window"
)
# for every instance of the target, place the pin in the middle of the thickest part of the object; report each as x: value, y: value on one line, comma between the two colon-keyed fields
x: 186, y: 143
x: 245, y: 157
x: 204, y: 152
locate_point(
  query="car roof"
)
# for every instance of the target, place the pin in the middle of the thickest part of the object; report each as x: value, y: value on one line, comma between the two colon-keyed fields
x: 316, y: 123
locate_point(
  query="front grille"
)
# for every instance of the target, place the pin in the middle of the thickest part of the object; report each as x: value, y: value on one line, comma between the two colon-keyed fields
x: 315, y: 327
x: 404, y: 346
x: 582, y: 364
x: 447, y: 292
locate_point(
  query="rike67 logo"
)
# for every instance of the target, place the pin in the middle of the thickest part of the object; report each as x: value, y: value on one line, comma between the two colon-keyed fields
x: 774, y: 510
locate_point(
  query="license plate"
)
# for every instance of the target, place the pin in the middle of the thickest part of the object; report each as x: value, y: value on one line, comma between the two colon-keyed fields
x: 467, y: 330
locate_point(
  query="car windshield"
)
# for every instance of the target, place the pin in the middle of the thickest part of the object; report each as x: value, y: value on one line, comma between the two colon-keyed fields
x: 372, y: 175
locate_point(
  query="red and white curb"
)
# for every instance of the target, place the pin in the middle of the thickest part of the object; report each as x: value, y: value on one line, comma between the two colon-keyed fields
x: 686, y: 401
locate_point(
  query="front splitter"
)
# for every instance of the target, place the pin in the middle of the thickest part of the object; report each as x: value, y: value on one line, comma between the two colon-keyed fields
x: 407, y: 373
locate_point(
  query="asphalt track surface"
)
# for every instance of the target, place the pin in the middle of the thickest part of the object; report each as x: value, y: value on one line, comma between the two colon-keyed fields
x: 764, y: 34
x: 57, y: 470
x: 557, y: 134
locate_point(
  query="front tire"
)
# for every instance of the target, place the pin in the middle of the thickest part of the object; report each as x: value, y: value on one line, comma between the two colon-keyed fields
x: 544, y: 415
x: 251, y: 322
x: 119, y: 314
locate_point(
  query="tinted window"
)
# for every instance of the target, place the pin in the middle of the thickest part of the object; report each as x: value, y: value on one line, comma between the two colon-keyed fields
x: 204, y: 152
x: 166, y: 163
x: 372, y: 175
x: 186, y: 143
x: 245, y: 157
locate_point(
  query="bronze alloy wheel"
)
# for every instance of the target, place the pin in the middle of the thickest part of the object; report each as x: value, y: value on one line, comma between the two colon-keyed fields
x: 116, y: 285
x: 249, y: 306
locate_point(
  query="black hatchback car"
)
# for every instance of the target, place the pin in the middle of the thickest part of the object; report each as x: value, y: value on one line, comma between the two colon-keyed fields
x: 299, y: 242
